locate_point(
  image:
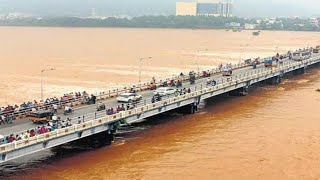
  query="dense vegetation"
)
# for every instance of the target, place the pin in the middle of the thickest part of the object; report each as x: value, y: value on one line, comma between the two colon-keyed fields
x: 190, y: 22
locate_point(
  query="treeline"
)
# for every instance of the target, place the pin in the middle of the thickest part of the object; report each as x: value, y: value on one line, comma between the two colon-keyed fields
x: 189, y: 22
x: 141, y: 22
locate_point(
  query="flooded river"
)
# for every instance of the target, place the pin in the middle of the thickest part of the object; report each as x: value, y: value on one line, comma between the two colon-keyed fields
x: 102, y: 59
x: 273, y: 133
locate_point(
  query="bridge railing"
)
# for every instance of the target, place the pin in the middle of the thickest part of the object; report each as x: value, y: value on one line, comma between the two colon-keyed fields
x: 112, y: 93
x: 139, y: 110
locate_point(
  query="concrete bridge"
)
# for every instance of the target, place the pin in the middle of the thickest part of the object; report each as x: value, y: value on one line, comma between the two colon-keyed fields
x: 104, y: 126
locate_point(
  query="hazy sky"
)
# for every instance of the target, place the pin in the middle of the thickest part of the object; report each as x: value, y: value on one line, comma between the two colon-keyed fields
x: 147, y: 7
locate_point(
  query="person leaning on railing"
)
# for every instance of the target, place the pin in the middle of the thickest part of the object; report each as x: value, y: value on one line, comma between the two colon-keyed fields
x: 25, y: 107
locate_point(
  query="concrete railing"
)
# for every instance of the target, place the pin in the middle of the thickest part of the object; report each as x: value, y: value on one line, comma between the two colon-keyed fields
x: 115, y: 92
x: 139, y: 110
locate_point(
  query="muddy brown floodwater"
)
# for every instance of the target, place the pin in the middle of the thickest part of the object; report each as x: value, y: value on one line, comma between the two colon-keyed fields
x: 273, y: 133
x: 99, y: 59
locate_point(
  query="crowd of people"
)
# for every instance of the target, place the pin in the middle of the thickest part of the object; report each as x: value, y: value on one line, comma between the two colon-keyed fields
x: 49, y: 127
x: 9, y: 113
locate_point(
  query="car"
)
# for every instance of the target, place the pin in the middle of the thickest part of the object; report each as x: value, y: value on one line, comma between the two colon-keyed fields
x: 129, y: 97
x: 163, y: 91
x: 40, y: 116
x: 227, y: 73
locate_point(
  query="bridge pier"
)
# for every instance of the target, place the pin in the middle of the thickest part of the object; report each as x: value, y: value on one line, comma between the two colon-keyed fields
x: 97, y: 140
x: 239, y: 92
x: 274, y: 80
x: 299, y: 71
x: 105, y: 137
x: 188, y: 109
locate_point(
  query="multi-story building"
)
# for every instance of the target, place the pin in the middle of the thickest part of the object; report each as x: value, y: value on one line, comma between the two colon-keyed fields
x: 204, y: 8
x: 186, y: 9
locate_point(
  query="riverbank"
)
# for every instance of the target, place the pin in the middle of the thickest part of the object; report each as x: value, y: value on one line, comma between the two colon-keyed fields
x: 176, y: 22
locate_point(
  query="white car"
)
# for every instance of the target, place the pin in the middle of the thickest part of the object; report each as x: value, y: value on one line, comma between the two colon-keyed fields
x: 163, y: 91
x: 129, y: 97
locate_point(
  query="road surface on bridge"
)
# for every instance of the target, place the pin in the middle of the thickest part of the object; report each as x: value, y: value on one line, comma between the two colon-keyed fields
x: 25, y: 124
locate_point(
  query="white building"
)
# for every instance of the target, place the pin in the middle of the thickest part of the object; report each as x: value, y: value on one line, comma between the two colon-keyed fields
x: 250, y: 26
x: 204, y: 8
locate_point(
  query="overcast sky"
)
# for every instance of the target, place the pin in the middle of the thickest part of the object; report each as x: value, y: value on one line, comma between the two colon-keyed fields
x: 148, y: 7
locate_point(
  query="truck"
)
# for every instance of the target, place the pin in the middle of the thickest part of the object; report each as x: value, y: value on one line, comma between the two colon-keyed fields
x: 269, y: 63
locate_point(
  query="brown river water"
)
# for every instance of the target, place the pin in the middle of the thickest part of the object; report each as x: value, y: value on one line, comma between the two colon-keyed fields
x: 273, y: 133
x: 102, y: 59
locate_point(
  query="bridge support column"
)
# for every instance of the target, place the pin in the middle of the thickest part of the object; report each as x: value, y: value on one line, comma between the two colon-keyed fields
x: 274, y: 80
x: 188, y: 109
x: 299, y: 71
x: 105, y: 137
x: 239, y: 92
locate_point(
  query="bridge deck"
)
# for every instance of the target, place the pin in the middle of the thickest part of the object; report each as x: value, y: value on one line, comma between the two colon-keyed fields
x: 99, y: 122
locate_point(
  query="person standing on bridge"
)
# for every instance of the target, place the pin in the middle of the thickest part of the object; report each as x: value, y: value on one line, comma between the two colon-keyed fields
x: 93, y: 98
x: 68, y: 122
x: 55, y: 108
x: 2, y: 121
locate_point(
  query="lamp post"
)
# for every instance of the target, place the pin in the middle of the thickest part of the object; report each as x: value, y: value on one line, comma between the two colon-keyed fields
x: 140, y: 65
x: 42, y: 71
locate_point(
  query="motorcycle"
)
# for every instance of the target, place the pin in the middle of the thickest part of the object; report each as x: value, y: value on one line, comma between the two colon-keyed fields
x: 70, y: 111
x: 101, y: 107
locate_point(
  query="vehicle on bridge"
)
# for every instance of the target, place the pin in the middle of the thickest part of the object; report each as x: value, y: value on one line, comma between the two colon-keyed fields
x: 172, y: 83
x: 156, y: 98
x: 101, y: 107
x: 179, y: 83
x: 227, y: 73
x: 39, y: 117
x: 211, y: 82
x: 206, y: 74
x: 163, y: 91
x: 269, y: 63
x: 152, y: 86
x: 316, y: 50
x: 68, y: 110
x: 301, y: 55
x: 129, y: 97
x: 192, y: 77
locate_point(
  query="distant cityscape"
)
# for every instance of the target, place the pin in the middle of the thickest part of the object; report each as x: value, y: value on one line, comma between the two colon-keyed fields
x: 210, y: 14
x: 204, y: 8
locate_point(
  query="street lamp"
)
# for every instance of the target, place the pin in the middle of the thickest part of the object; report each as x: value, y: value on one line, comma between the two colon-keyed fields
x: 140, y: 65
x: 42, y: 71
